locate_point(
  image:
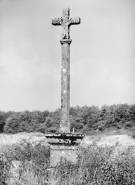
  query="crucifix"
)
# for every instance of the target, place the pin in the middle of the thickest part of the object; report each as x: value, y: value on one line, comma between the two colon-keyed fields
x: 65, y: 21
x: 64, y: 144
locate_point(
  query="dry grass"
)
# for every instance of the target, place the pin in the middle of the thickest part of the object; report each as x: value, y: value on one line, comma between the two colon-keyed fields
x: 95, y: 166
x: 100, y: 162
x: 10, y: 139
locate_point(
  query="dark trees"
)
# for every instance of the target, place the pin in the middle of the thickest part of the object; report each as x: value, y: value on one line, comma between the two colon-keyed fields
x: 82, y: 119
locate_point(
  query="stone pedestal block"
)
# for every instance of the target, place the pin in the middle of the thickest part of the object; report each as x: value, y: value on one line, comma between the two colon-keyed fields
x: 63, y: 146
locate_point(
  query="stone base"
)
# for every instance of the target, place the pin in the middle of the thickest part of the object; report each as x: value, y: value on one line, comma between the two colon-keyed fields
x: 58, y: 153
x: 63, y: 146
x: 67, y: 139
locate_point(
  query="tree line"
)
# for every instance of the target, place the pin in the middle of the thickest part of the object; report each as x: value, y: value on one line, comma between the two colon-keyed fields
x: 82, y: 119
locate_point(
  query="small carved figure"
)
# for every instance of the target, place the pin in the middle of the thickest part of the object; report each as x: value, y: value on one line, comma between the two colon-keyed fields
x: 65, y: 24
x: 65, y: 21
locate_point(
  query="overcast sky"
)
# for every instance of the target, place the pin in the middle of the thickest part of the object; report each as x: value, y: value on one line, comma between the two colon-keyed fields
x: 102, y: 53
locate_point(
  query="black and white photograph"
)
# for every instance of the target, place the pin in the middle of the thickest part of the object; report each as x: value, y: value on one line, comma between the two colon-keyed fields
x: 67, y: 92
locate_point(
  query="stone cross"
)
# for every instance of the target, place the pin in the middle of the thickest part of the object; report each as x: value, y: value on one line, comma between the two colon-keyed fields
x: 65, y: 21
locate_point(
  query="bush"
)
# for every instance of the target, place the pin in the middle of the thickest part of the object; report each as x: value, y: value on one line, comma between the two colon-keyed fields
x: 37, y: 152
x: 33, y: 157
x: 95, y: 165
x: 4, y: 170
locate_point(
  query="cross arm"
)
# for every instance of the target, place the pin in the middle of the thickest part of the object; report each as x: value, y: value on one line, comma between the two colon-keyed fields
x: 75, y: 20
x: 56, y: 21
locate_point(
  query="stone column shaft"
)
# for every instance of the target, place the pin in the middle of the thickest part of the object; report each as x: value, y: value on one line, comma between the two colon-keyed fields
x: 65, y: 21
x: 65, y: 85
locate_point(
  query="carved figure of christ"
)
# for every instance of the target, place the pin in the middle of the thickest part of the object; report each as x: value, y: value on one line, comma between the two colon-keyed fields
x: 65, y: 21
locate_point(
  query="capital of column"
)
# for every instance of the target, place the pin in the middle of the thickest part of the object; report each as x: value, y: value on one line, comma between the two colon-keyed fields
x: 66, y: 41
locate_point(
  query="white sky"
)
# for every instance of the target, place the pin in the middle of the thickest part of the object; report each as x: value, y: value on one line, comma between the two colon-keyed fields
x: 102, y: 53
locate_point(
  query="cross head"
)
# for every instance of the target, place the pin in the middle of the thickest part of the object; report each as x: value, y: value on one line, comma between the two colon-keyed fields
x: 65, y: 21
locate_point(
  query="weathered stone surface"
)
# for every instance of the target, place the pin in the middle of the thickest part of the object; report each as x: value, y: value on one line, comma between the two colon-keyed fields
x: 65, y: 86
x: 64, y: 145
x: 62, y: 152
x: 65, y: 21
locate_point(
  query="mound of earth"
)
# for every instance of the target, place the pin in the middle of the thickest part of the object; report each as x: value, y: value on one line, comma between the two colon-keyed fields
x: 122, y: 143
x: 10, y: 139
x: 123, y: 140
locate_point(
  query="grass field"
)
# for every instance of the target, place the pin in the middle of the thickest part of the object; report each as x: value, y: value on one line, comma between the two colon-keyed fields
x: 102, y: 159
